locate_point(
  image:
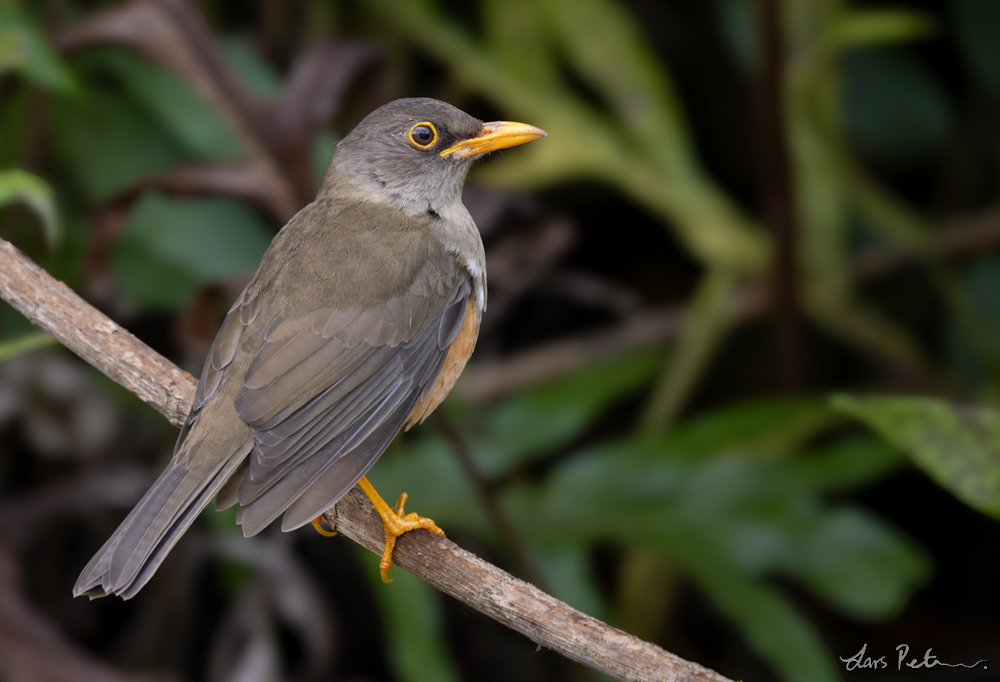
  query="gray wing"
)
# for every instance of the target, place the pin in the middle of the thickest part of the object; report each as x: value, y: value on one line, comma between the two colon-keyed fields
x: 327, y: 392
x: 322, y: 399
x: 201, y: 464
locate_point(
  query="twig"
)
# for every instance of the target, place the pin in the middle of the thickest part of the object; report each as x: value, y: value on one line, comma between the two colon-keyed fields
x: 776, y: 180
x: 514, y: 603
x: 651, y: 327
x: 591, y: 290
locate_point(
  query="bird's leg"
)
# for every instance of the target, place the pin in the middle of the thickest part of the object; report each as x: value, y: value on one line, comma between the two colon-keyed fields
x: 317, y: 524
x: 396, y: 523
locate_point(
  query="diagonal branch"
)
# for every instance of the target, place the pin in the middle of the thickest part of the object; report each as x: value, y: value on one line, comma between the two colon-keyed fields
x: 524, y: 608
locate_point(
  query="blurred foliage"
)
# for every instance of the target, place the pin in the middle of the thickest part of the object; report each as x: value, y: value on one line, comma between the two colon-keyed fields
x: 24, y: 344
x: 19, y: 186
x: 959, y: 447
x: 169, y: 247
x: 731, y: 497
x: 975, y: 25
x: 894, y: 106
x: 415, y: 629
x: 752, y: 500
x: 24, y: 50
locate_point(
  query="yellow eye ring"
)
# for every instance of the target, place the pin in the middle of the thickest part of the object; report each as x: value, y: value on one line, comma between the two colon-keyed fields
x: 423, y: 135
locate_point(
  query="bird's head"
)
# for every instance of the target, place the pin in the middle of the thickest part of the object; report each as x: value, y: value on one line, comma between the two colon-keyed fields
x: 415, y: 153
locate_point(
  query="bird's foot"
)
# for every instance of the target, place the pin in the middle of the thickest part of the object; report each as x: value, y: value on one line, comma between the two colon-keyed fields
x: 396, y: 522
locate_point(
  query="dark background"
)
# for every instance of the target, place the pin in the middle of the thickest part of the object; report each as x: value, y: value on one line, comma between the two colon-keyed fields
x: 742, y: 209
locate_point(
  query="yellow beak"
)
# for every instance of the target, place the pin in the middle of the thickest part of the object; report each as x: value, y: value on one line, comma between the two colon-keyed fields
x: 493, y: 136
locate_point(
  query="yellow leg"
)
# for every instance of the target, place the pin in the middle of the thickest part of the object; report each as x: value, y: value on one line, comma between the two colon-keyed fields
x: 396, y: 523
x: 317, y: 524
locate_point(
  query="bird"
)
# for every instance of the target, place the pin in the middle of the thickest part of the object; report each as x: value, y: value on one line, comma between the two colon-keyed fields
x: 356, y: 323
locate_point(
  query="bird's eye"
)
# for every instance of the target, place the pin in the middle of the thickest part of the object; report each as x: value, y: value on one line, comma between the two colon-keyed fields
x: 423, y: 135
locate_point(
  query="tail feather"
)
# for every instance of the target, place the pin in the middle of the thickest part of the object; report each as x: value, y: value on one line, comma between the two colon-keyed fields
x: 133, y: 553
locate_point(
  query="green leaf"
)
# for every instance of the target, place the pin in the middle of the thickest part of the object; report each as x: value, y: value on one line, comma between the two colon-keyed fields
x: 894, y: 105
x: 764, y: 523
x: 866, y: 27
x: 976, y: 25
x: 170, y: 246
x: 765, y: 427
x: 635, y: 491
x: 25, y: 344
x: 861, y: 565
x: 428, y: 470
x: 959, y: 447
x: 416, y: 641
x: 108, y: 143
x: 769, y: 622
x: 727, y: 519
x: 846, y: 465
x: 13, y: 323
x: 623, y: 489
x: 980, y: 279
x: 760, y: 516
x: 566, y: 571
x: 609, y: 51
x: 543, y: 418
x: 737, y: 24
x: 24, y: 50
x: 520, y: 42
x: 707, y: 320
x: 323, y: 148
x: 256, y: 73
x: 191, y: 121
x: 67, y: 262
x: 21, y: 186
x: 10, y: 48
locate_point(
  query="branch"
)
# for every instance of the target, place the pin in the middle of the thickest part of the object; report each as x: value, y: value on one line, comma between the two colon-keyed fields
x: 86, y: 331
x: 779, y: 197
x: 491, y: 379
x: 522, y: 607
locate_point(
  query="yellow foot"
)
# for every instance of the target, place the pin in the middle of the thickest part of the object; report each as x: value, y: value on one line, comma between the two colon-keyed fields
x: 396, y: 523
x: 318, y: 525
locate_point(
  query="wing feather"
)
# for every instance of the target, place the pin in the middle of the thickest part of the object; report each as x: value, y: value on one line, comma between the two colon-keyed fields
x: 314, y: 396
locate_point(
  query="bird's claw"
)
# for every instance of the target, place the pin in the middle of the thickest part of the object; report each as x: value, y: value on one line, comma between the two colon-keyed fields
x: 396, y: 523
x: 317, y: 523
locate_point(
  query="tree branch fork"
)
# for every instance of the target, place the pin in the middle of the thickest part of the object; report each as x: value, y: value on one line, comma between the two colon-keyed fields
x: 54, y: 307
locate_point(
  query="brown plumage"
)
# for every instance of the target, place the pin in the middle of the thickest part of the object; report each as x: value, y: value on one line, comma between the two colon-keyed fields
x: 459, y: 353
x: 358, y: 320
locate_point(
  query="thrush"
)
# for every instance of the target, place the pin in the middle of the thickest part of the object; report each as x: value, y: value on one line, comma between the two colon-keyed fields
x: 357, y: 322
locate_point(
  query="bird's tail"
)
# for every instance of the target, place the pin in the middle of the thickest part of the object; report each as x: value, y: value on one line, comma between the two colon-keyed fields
x: 133, y: 553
